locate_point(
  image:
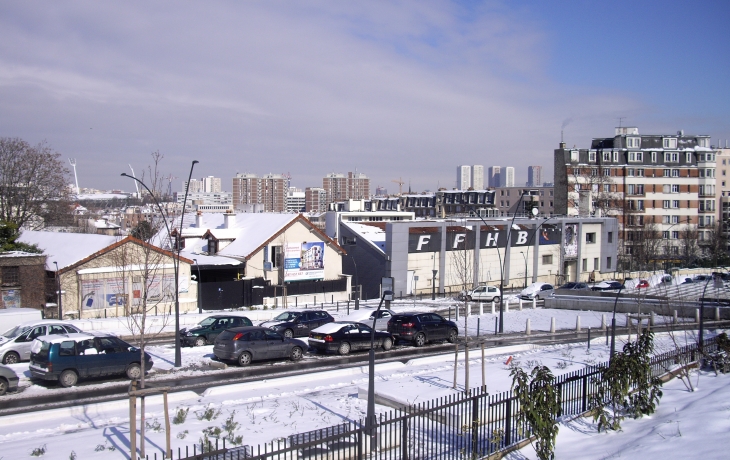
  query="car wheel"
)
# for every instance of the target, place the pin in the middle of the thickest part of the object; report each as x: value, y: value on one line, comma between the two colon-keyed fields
x: 288, y: 333
x: 134, y: 371
x: 387, y: 343
x: 200, y: 341
x: 496, y: 299
x: 3, y: 386
x: 11, y: 358
x: 344, y: 348
x: 244, y: 359
x: 452, y: 335
x: 419, y: 340
x: 296, y: 354
x: 68, y: 378
x: 537, y: 297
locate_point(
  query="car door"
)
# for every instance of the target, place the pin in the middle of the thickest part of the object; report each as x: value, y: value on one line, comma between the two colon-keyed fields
x: 66, y: 358
x: 478, y: 293
x: 219, y: 326
x: 256, y: 343
x: 24, y: 341
x: 88, y: 359
x: 439, y: 326
x: 365, y: 335
x: 381, y: 322
x: 276, y: 346
x: 491, y: 294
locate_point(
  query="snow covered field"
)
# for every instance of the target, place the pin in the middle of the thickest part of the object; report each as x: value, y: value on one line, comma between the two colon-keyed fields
x: 269, y: 410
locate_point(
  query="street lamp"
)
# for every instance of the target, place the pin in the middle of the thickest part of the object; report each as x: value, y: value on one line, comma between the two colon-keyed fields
x: 433, y: 284
x: 200, y: 306
x: 58, y: 281
x: 370, y: 417
x: 175, y: 260
x: 613, y: 324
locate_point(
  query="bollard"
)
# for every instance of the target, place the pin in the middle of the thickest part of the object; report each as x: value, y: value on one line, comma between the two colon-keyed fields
x: 534, y: 303
x: 717, y: 313
x: 652, y: 319
x: 603, y: 322
x: 697, y: 315
x: 520, y: 305
x: 492, y: 306
x: 478, y: 326
x: 674, y: 318
x: 506, y: 306
x: 606, y: 337
x: 348, y: 307
x: 315, y: 301
x: 296, y: 302
x: 481, y: 308
x: 577, y: 324
x: 527, y: 327
x: 552, y: 325
x: 495, y: 325
x: 456, y: 313
x: 589, y: 338
x: 338, y: 306
x: 449, y: 313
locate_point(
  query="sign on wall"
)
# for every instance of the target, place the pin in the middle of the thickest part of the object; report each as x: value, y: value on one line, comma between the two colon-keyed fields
x: 570, y: 242
x: 11, y: 298
x: 495, y: 237
x: 303, y: 261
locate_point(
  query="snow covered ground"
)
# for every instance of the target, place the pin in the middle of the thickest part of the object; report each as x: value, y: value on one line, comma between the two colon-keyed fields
x: 269, y: 410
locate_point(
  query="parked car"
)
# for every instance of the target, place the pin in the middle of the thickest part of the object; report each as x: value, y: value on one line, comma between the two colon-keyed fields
x: 70, y: 357
x: 366, y: 316
x: 344, y: 336
x: 642, y: 284
x: 484, y: 294
x: 8, y: 380
x: 254, y: 343
x: 421, y: 328
x: 537, y: 291
x: 298, y: 323
x: 208, y: 329
x: 15, y: 344
x: 574, y: 286
x: 607, y: 285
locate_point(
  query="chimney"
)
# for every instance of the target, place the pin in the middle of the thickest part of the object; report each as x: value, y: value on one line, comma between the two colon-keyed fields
x: 199, y: 219
x: 229, y: 220
x: 562, y: 145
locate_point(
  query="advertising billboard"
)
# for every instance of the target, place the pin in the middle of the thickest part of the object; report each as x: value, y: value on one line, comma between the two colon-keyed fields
x: 303, y: 261
x: 570, y: 242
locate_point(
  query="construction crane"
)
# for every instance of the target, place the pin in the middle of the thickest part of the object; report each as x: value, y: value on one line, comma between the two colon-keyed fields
x: 135, y: 182
x: 170, y: 178
x: 400, y: 185
x: 73, y: 164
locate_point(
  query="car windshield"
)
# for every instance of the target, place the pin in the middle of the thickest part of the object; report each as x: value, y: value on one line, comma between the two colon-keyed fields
x: 207, y: 322
x: 16, y: 331
x: 568, y: 286
x: 287, y: 316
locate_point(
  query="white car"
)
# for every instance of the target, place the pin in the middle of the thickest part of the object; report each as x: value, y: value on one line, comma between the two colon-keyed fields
x: 15, y: 344
x: 366, y: 315
x: 484, y: 294
x: 537, y: 291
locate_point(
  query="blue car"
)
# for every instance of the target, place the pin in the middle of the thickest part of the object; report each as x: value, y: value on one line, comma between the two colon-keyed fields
x: 69, y: 357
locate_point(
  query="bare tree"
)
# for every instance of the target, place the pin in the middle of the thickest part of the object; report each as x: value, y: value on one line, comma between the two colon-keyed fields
x: 690, y: 248
x: 33, y: 183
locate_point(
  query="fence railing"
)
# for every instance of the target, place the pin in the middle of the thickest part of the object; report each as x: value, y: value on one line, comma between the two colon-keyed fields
x: 469, y: 425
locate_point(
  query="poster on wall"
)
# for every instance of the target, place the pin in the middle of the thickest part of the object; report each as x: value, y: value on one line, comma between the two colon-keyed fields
x: 570, y: 240
x: 92, y: 294
x: 550, y: 234
x: 11, y: 298
x: 303, y: 261
x: 115, y: 292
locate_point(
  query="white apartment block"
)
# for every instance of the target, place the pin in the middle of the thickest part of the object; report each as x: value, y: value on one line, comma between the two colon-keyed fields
x: 463, y: 177
x: 477, y: 177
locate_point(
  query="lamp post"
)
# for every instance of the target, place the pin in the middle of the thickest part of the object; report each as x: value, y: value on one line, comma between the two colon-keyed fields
x: 504, y: 261
x: 701, y: 335
x: 58, y: 281
x: 433, y: 284
x: 613, y: 324
x: 370, y: 417
x: 175, y: 260
x: 529, y: 243
x: 200, y: 306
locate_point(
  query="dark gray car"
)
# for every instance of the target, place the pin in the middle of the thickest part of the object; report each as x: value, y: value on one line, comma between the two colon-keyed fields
x: 298, y: 323
x: 8, y: 380
x: 255, y: 343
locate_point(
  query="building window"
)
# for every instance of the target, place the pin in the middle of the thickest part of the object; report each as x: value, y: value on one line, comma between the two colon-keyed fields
x: 675, y: 204
x: 608, y: 263
x: 590, y: 238
x: 585, y: 265
x: 606, y: 188
x: 640, y: 172
x: 594, y: 172
x: 615, y: 157
x: 665, y: 204
x: 675, y: 172
x: 596, y: 264
x: 667, y: 173
x: 547, y: 259
x: 574, y: 156
x: 630, y: 172
x: 633, y: 142
x: 609, y: 237
x: 689, y: 157
x: 669, y: 143
x: 606, y: 157
x: 592, y: 157
x: 675, y: 219
x: 11, y: 276
x: 653, y: 157
x: 636, y: 156
x: 675, y: 188
x: 276, y: 256
x: 671, y: 157
x: 607, y: 172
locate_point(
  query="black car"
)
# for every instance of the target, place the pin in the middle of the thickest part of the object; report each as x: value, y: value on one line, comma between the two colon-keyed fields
x: 298, y: 323
x: 344, y: 336
x: 607, y: 286
x: 574, y: 286
x: 421, y: 328
x: 208, y: 329
x: 255, y: 343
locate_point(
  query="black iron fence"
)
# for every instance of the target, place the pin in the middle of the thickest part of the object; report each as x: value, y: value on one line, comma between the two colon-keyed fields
x: 469, y: 425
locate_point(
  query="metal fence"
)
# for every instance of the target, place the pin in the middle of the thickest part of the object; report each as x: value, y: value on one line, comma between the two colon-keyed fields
x: 469, y: 425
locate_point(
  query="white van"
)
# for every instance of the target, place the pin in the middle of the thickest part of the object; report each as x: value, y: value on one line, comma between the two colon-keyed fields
x: 11, y: 317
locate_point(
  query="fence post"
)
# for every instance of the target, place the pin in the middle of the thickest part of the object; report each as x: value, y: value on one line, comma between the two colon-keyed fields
x: 585, y: 393
x: 474, y: 425
x: 404, y: 439
x: 508, y: 423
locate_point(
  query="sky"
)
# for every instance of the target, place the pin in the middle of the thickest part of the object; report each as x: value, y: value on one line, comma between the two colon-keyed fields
x: 399, y: 90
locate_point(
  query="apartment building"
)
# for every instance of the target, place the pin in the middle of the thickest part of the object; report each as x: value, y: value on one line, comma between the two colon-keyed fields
x: 340, y: 187
x: 658, y: 184
x: 315, y: 199
x: 534, y: 176
x: 252, y: 193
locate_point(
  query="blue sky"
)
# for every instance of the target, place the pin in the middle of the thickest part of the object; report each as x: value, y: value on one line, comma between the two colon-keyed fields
x: 390, y: 89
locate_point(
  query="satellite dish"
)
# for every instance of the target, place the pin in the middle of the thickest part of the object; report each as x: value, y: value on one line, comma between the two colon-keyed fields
x: 534, y: 212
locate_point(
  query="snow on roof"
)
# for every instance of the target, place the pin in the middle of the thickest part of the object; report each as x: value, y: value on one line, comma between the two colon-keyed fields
x: 247, y: 230
x: 66, y: 248
x: 204, y: 259
x: 370, y: 233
